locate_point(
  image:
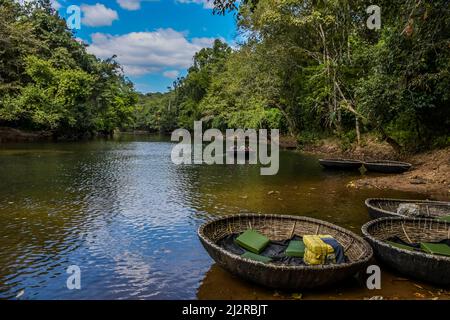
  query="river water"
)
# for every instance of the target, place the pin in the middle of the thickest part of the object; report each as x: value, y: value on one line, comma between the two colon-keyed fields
x: 127, y: 216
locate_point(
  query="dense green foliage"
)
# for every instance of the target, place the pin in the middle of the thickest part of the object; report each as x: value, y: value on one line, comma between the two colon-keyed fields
x: 308, y: 67
x: 49, y: 82
x: 155, y: 113
x: 314, y: 67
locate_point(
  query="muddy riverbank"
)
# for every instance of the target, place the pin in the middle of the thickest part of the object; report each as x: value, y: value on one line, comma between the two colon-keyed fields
x: 430, y: 174
x: 15, y: 135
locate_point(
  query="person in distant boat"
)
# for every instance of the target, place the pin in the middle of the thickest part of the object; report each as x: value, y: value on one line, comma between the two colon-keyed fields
x: 245, y: 148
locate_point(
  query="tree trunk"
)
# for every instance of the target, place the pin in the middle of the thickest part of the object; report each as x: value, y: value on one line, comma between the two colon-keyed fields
x: 291, y: 125
x: 397, y: 147
x: 358, y: 133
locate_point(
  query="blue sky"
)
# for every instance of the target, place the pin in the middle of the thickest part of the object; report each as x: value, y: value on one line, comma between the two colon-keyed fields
x: 154, y: 40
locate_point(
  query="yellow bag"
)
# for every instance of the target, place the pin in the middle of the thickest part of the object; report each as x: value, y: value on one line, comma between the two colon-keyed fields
x: 317, y: 251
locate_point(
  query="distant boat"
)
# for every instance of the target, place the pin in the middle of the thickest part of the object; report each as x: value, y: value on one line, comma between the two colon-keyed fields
x: 387, y: 166
x: 341, y: 164
x: 243, y: 150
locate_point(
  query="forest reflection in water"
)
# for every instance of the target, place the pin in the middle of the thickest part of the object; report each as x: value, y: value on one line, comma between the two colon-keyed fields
x: 123, y: 212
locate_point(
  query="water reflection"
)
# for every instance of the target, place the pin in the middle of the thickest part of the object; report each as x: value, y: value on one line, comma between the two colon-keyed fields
x: 218, y: 284
x: 128, y: 217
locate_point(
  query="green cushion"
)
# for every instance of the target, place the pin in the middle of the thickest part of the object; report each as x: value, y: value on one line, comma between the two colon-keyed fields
x: 436, y: 248
x: 296, y: 248
x: 256, y: 257
x: 400, y: 246
x: 447, y: 218
x: 252, y: 240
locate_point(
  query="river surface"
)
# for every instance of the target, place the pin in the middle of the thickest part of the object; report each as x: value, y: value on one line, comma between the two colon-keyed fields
x: 123, y: 213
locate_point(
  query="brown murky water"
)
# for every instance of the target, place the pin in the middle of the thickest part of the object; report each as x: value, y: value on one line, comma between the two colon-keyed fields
x: 127, y: 216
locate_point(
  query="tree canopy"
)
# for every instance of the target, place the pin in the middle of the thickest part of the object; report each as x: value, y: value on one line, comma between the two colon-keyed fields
x: 315, y: 67
x: 307, y: 67
x: 48, y: 81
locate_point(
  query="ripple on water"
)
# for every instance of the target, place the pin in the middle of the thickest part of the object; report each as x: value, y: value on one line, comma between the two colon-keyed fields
x: 128, y: 217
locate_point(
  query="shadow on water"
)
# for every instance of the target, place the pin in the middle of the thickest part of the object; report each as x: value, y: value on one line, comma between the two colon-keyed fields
x: 127, y: 216
x: 218, y: 284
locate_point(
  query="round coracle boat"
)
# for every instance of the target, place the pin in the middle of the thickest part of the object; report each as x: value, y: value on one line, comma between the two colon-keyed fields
x: 340, y: 164
x: 387, y: 166
x: 414, y: 263
x: 381, y: 207
x: 279, y: 227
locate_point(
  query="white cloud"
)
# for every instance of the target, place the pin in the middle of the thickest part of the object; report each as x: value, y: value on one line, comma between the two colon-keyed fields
x: 206, y: 4
x: 148, y: 52
x: 129, y: 4
x: 132, y: 4
x: 98, y: 15
x: 171, y: 74
x: 55, y: 4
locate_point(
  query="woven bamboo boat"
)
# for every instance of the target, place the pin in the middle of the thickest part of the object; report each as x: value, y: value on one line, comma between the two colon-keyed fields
x: 379, y: 208
x: 418, y: 265
x: 279, y: 227
x: 341, y: 164
x: 386, y: 166
x: 246, y: 153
